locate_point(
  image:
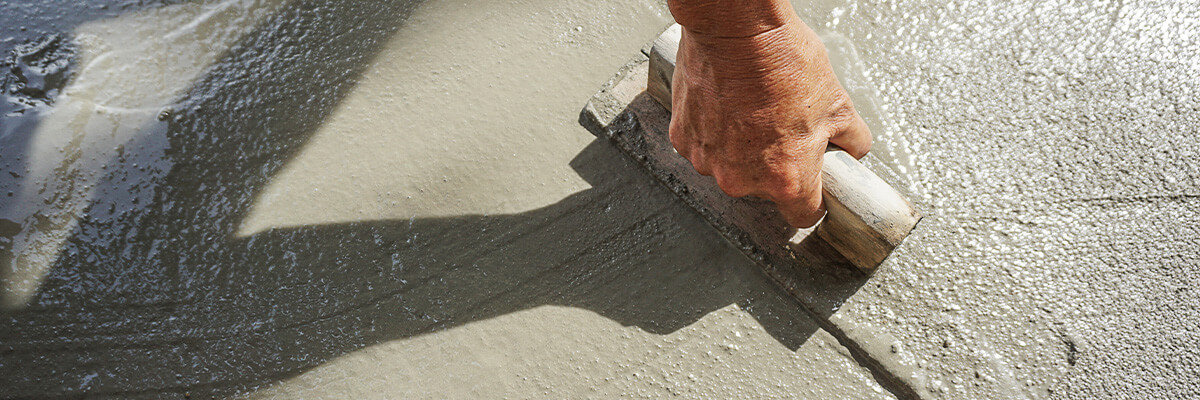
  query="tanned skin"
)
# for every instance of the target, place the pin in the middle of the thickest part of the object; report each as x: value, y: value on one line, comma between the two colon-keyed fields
x: 756, y: 103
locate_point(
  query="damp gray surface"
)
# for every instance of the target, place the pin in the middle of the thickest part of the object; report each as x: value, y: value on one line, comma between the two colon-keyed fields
x: 1054, y: 147
x: 270, y: 199
x: 280, y: 199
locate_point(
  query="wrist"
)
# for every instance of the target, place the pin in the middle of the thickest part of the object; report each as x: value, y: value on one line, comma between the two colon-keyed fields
x: 783, y: 49
x: 722, y: 19
x: 771, y: 61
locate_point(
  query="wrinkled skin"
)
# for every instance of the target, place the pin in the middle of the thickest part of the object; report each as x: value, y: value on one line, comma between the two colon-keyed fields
x: 756, y: 106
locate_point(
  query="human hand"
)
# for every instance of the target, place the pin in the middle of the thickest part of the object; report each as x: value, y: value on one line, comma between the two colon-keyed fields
x: 757, y: 109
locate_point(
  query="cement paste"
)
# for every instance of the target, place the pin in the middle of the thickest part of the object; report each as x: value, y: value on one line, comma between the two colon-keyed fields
x: 275, y: 199
x: 369, y: 200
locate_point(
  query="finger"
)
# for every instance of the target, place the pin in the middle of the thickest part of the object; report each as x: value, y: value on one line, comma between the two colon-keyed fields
x: 855, y: 138
x: 699, y: 161
x: 732, y: 184
x: 803, y: 212
x: 678, y: 135
x: 682, y: 141
x: 804, y: 207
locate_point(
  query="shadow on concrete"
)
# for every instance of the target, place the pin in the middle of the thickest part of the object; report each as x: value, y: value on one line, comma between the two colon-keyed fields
x: 164, y: 298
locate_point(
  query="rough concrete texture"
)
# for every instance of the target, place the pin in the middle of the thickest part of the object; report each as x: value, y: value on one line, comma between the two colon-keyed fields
x: 393, y: 199
x: 1053, y: 152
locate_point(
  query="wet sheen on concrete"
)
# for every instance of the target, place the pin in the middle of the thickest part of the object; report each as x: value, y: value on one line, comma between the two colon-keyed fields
x: 1054, y: 147
x: 307, y: 199
x: 271, y: 199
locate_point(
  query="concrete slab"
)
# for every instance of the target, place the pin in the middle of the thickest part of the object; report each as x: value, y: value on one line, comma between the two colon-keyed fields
x: 368, y: 199
x: 1051, y: 148
x: 210, y: 209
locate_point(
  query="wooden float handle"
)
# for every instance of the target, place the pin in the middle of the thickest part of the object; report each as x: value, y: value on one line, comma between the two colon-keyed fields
x: 865, y: 217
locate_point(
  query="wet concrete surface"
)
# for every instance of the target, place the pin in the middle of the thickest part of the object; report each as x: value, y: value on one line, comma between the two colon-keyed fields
x: 304, y: 199
x: 380, y: 199
x: 1053, y: 147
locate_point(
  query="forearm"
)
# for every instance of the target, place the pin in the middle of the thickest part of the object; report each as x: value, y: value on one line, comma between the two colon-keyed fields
x: 731, y: 18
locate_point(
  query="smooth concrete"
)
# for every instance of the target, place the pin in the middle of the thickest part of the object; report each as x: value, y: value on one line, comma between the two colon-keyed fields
x: 371, y: 200
x: 393, y: 199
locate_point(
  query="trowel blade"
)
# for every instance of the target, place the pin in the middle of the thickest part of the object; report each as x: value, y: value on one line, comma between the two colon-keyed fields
x: 624, y: 113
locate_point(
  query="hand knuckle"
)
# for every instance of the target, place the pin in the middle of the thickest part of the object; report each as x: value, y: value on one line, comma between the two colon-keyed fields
x: 731, y: 184
x: 841, y: 114
x: 781, y: 186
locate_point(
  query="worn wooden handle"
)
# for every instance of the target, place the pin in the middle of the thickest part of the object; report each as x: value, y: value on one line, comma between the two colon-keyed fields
x: 866, y: 218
